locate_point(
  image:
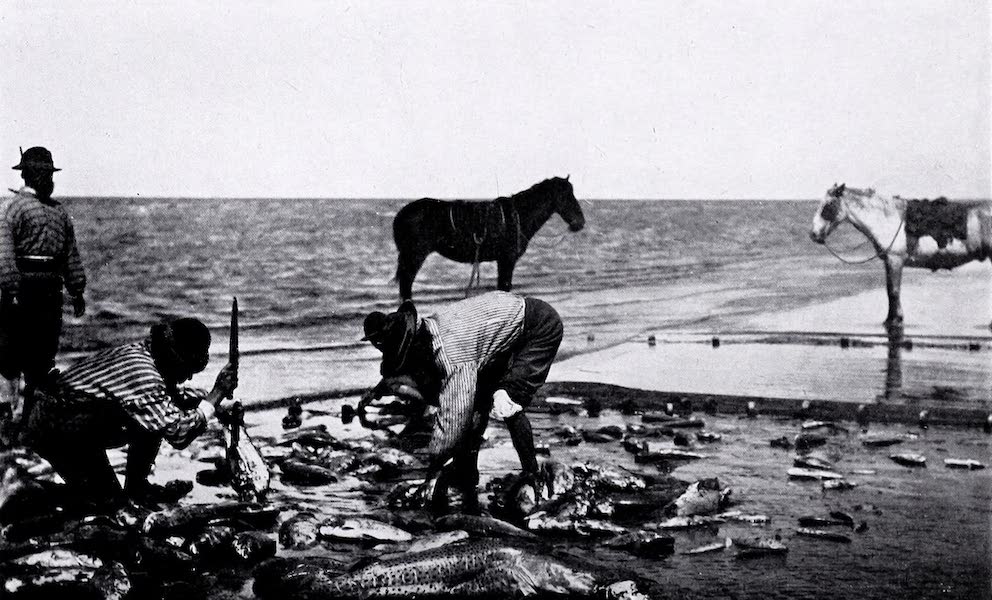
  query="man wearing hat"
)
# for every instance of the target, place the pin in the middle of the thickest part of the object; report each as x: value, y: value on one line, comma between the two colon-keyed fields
x: 477, y: 358
x: 38, y: 257
x: 127, y: 395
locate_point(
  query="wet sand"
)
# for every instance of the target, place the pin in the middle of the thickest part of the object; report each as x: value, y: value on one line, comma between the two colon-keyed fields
x: 836, y: 351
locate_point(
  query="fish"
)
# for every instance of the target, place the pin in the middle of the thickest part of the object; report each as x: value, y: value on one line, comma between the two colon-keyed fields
x: 597, y: 437
x: 482, y: 526
x: 297, y: 472
x: 548, y: 524
x: 909, y: 459
x: 361, y: 529
x: 881, y: 441
x: 252, y: 547
x: 714, y: 547
x: 392, y: 458
x: 812, y: 462
x: 470, y: 569
x: 436, y: 540
x: 643, y: 543
x: 191, y: 516
x: 686, y: 424
x: 300, y: 531
x: 962, y: 463
x: 703, y: 497
x: 686, y: 522
x: 578, y: 526
x: 607, y: 477
x: 112, y: 581
x: 812, y: 474
x: 805, y: 441
x: 623, y: 590
x: 336, y: 460
x: 843, y: 517
x: 659, y: 417
x: 250, y: 475
x: 742, y: 518
x: 809, y: 521
x: 314, y: 437
x: 212, y: 543
x: 823, y: 535
x: 838, y: 484
x: 667, y: 455
x: 781, y: 442
x: 816, y: 425
x: 760, y: 547
x: 62, y: 573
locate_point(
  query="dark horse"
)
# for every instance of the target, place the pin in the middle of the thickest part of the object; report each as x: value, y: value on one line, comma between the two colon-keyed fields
x: 472, y: 232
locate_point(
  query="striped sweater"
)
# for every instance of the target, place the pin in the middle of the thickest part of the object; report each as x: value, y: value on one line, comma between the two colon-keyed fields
x: 126, y: 376
x: 465, y: 336
x: 30, y: 227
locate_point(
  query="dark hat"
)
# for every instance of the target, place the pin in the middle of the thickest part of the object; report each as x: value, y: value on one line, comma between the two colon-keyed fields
x: 392, y: 334
x: 36, y: 159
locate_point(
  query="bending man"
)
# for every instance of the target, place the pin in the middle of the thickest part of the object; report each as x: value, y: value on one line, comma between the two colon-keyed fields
x: 128, y: 395
x: 475, y: 359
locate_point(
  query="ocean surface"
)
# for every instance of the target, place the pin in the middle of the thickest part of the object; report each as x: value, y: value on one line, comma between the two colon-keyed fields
x: 306, y: 272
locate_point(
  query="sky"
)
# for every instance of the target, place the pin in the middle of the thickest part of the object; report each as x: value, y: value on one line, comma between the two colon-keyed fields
x: 689, y: 99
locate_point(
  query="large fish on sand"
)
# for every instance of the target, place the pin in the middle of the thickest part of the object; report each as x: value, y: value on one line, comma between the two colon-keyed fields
x: 472, y: 569
x: 249, y: 473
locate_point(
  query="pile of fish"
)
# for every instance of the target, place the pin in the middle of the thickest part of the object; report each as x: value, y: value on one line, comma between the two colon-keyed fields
x: 297, y: 546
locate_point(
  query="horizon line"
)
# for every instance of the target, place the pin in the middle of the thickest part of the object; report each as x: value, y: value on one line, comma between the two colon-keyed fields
x: 411, y: 198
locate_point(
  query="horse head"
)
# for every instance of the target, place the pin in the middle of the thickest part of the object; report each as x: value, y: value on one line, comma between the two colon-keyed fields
x: 829, y: 215
x: 567, y: 206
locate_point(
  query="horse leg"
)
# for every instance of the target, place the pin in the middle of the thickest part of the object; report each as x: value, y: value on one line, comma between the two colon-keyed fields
x: 893, y: 283
x: 408, y: 264
x: 504, y: 274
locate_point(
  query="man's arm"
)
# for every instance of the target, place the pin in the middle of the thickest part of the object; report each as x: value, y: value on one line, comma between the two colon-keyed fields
x: 155, y: 411
x: 74, y: 274
x: 9, y: 275
x: 456, y: 401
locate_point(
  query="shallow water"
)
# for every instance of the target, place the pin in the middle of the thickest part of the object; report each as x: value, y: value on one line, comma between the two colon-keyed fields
x: 307, y: 271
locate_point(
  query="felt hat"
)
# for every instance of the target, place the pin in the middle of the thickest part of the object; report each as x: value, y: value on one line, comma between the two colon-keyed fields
x: 393, y: 334
x: 36, y: 159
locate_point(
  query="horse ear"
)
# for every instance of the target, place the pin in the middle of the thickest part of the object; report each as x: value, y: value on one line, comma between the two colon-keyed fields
x: 567, y: 176
x: 840, y: 190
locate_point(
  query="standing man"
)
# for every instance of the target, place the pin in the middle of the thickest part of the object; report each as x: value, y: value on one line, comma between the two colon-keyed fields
x: 475, y: 359
x: 38, y: 256
x: 127, y: 395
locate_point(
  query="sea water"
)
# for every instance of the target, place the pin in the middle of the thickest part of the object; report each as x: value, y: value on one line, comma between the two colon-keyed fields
x: 306, y: 272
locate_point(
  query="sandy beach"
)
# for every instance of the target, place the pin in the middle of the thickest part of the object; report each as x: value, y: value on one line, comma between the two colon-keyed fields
x: 927, y: 530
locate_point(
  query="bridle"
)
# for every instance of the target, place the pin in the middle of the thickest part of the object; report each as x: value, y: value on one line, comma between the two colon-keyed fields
x: 902, y: 221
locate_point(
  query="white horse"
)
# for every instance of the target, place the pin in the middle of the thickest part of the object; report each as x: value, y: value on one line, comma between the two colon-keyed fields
x: 908, y: 233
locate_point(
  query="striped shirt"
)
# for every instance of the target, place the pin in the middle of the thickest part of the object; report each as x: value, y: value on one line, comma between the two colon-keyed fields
x: 126, y: 376
x: 31, y: 227
x: 465, y: 336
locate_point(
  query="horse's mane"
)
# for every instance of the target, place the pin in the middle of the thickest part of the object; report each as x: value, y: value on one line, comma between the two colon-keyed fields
x: 867, y: 197
x: 539, y: 187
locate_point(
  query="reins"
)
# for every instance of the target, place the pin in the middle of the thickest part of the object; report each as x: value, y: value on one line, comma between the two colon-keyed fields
x: 902, y: 221
x: 475, y: 277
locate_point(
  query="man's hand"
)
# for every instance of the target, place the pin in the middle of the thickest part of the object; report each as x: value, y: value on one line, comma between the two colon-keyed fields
x: 78, y: 306
x: 542, y: 488
x: 227, y: 381
x: 422, y: 497
x: 503, y: 406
